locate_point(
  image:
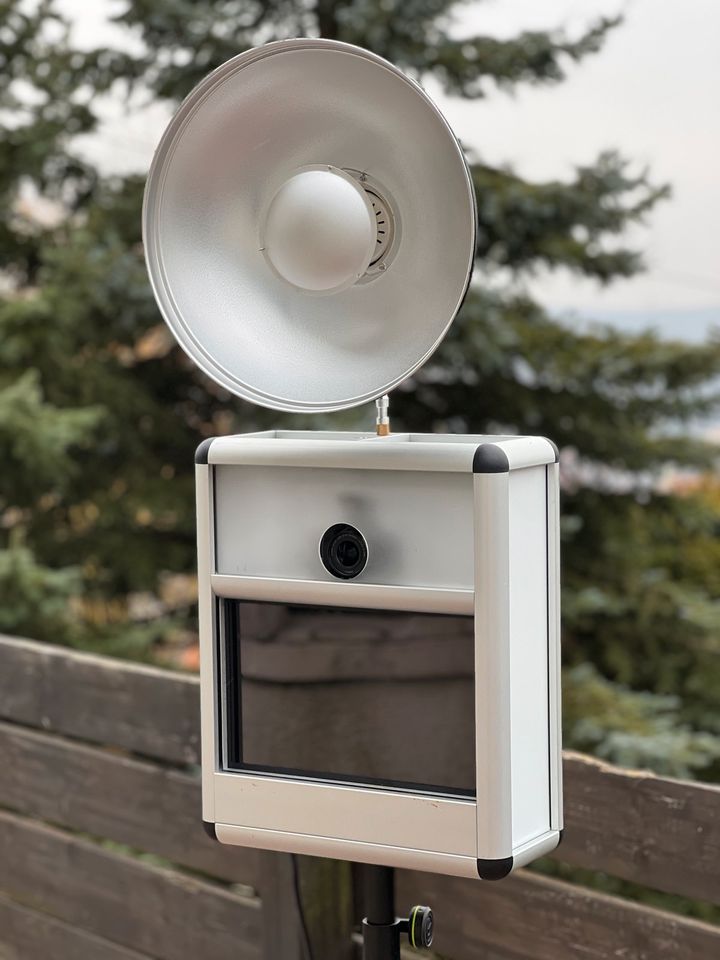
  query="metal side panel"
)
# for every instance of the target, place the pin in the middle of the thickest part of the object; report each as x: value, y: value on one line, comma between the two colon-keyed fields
x: 492, y: 666
x: 528, y: 637
x: 554, y: 674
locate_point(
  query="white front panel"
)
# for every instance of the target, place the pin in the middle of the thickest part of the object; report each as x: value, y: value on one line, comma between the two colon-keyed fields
x: 529, y: 655
x: 347, y: 813
x: 408, y: 858
x: 209, y: 707
x: 418, y: 525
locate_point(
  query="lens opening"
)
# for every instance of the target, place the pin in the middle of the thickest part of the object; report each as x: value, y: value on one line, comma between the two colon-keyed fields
x: 343, y: 551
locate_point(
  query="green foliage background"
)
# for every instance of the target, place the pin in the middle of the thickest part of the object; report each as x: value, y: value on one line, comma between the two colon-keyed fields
x: 100, y: 413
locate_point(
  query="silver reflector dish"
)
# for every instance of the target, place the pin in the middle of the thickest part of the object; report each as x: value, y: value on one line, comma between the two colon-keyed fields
x: 309, y: 226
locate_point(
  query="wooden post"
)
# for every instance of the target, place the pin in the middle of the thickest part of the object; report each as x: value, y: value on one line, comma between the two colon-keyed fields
x: 325, y: 888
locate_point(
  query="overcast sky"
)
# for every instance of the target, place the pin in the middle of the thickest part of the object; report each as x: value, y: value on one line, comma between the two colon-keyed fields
x: 653, y: 93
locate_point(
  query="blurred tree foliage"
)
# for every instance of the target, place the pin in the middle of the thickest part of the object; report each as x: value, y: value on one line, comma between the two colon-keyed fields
x: 100, y: 413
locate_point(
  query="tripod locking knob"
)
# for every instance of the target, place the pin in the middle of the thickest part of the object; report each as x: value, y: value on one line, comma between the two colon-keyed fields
x: 420, y: 926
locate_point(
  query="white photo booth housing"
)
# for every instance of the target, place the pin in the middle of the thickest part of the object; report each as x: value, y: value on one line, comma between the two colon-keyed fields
x: 451, y: 525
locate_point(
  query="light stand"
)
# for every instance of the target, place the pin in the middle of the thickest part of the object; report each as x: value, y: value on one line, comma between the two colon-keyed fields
x: 381, y: 929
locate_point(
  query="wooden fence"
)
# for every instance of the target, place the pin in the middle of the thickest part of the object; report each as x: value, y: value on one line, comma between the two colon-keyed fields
x: 103, y: 856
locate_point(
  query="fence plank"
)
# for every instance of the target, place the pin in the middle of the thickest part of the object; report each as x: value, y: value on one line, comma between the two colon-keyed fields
x: 108, y: 795
x: 144, y: 908
x: 535, y: 917
x: 143, y: 709
x: 651, y: 830
x: 325, y: 889
x: 282, y: 929
x: 28, y: 935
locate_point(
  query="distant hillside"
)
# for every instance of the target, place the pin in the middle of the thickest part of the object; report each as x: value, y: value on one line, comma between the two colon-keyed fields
x: 692, y: 325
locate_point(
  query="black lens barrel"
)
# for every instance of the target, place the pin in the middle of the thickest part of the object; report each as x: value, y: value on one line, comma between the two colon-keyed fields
x: 343, y: 551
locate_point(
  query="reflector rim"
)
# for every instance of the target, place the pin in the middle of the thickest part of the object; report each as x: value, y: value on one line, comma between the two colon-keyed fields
x: 151, y: 244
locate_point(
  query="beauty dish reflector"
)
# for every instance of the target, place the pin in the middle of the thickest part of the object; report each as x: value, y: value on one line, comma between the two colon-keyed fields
x: 309, y: 226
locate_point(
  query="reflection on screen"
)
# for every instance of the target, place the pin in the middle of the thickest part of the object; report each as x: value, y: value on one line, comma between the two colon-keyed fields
x: 375, y: 698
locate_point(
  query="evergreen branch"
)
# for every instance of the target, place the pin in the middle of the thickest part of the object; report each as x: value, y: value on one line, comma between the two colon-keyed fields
x: 523, y: 225
x: 618, y: 398
x: 464, y: 66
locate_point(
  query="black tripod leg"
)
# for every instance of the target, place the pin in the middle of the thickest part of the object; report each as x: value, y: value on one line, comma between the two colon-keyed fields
x: 380, y: 928
x: 379, y: 894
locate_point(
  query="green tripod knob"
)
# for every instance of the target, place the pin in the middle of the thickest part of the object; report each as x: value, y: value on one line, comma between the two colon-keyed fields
x: 420, y: 926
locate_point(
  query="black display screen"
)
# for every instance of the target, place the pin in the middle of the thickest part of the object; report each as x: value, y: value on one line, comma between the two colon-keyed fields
x: 374, y: 698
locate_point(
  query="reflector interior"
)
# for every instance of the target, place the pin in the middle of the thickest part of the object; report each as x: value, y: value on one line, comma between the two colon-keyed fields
x: 239, y: 136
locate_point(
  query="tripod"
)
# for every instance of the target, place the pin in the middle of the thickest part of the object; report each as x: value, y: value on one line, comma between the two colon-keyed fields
x: 381, y: 929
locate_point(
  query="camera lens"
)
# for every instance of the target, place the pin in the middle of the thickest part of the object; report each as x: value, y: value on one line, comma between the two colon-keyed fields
x: 343, y: 551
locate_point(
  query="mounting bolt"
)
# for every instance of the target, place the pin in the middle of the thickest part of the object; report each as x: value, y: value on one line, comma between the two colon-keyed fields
x: 382, y: 422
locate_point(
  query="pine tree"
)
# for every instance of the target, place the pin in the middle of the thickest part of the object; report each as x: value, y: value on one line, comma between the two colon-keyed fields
x: 100, y: 413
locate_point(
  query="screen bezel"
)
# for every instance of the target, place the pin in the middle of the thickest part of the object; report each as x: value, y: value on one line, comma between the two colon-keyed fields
x: 230, y: 720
